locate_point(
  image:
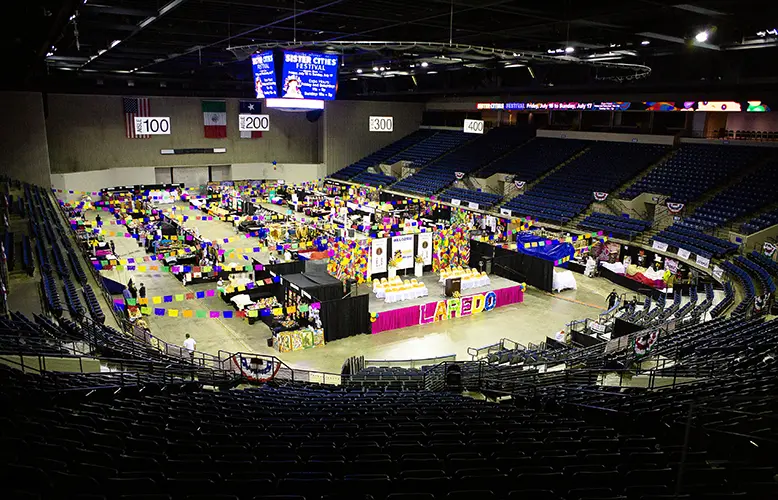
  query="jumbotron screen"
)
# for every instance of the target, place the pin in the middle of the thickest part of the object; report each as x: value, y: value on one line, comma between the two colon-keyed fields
x: 264, y: 72
x: 309, y: 75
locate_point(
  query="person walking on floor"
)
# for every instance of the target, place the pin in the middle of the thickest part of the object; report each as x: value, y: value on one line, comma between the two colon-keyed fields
x: 612, y: 299
x: 113, y: 247
x: 190, y: 345
x: 142, y: 291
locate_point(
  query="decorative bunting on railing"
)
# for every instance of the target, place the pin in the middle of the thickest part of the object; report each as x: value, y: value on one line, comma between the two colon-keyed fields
x: 459, y: 175
x: 675, y: 207
x: 519, y: 184
x: 600, y: 196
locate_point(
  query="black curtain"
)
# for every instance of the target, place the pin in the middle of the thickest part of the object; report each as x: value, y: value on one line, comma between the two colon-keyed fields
x: 585, y: 340
x: 479, y: 249
x: 327, y: 286
x: 520, y: 267
x: 345, y: 317
x: 281, y: 269
x: 622, y: 327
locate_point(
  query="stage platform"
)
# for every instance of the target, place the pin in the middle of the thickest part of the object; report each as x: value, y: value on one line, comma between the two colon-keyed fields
x: 436, y: 292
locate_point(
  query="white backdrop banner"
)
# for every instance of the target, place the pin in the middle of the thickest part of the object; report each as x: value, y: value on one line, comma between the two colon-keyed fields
x: 425, y: 248
x: 683, y: 253
x: 378, y: 256
x: 404, y: 245
x: 703, y: 261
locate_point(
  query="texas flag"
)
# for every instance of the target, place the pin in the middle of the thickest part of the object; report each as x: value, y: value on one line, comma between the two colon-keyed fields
x: 250, y: 108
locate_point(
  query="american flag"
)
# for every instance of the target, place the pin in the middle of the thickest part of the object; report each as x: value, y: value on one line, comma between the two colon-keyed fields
x: 135, y: 106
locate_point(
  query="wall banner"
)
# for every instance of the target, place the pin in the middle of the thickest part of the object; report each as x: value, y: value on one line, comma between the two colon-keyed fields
x: 424, y: 248
x: 378, y: 256
x: 402, y: 246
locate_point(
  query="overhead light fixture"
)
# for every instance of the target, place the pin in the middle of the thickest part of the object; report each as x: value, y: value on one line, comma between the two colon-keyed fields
x: 569, y: 50
x: 425, y: 64
x: 49, y: 54
x: 531, y: 73
x: 101, y: 52
x: 645, y: 42
x: 516, y: 65
x: 147, y: 21
x: 359, y: 70
x: 114, y: 43
x: 382, y: 68
x: 702, y: 36
x: 432, y: 72
x: 375, y: 68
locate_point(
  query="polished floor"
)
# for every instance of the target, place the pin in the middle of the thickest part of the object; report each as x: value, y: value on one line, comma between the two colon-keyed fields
x: 540, y: 315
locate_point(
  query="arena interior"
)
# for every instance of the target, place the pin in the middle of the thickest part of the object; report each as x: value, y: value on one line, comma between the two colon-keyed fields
x: 372, y: 250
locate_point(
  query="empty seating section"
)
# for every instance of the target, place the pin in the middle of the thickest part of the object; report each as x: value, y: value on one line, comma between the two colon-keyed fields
x: 740, y: 275
x: 568, y: 191
x: 695, y: 241
x: 295, y: 442
x: 373, y: 179
x: 423, y: 152
x: 395, y: 378
x: 482, y: 199
x: 382, y: 154
x: 767, y: 263
x: 761, y: 221
x: 534, y: 158
x: 756, y: 270
x: 728, y: 300
x: 751, y: 193
x: 693, y: 170
x: 466, y: 159
x: 618, y: 225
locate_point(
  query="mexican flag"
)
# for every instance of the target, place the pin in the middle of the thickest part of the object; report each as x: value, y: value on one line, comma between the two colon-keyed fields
x: 215, y: 119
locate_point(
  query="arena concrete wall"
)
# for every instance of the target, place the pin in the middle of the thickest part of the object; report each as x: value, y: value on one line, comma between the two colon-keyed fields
x: 87, y: 133
x: 24, y: 152
x: 345, y: 129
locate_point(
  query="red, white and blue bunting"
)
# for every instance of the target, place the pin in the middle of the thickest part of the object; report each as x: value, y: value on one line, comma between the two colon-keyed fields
x: 459, y: 175
x: 600, y: 196
x: 769, y: 249
x: 675, y: 207
x: 256, y: 369
x: 519, y: 184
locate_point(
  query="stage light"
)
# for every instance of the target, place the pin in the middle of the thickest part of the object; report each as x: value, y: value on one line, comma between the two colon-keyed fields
x: 645, y: 42
x: 424, y: 64
x: 359, y: 70
x: 702, y: 36
x: 569, y: 50
x: 375, y: 68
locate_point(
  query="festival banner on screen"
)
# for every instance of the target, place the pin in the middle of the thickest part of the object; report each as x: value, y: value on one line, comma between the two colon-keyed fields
x: 308, y: 75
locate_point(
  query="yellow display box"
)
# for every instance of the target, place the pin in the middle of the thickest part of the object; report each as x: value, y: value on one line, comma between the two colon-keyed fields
x: 297, y: 340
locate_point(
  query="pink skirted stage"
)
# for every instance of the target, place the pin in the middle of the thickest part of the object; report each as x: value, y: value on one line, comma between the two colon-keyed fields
x: 449, y: 308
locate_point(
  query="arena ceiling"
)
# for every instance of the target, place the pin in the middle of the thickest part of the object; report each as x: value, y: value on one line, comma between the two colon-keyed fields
x: 184, y: 46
